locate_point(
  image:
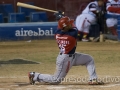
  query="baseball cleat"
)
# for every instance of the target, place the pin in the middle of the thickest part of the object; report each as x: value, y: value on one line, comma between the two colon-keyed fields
x: 95, y: 82
x: 31, y: 76
x: 96, y: 39
x: 85, y: 40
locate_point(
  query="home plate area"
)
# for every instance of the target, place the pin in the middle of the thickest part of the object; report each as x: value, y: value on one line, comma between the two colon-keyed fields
x: 13, y: 84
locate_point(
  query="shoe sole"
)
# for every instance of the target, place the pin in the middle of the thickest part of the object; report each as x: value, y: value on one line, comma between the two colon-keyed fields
x: 96, y: 83
x: 85, y: 40
x: 31, y: 79
x: 96, y: 39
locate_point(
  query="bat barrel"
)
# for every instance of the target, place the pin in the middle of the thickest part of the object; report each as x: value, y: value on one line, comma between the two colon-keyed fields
x: 34, y: 7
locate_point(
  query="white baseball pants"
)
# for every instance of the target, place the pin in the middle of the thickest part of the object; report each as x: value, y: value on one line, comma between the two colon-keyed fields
x: 63, y: 64
x: 111, y: 22
x: 84, y: 21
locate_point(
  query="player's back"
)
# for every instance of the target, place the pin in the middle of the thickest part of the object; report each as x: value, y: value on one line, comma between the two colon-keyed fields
x: 67, y: 40
x: 91, y: 5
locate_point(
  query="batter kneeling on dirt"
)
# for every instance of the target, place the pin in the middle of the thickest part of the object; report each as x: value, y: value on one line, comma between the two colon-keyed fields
x: 66, y: 38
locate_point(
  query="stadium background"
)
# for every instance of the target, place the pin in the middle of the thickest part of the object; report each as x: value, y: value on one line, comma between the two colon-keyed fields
x: 17, y: 58
x: 70, y: 7
x: 13, y: 18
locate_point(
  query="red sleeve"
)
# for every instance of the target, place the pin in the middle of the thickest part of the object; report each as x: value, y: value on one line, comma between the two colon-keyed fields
x: 114, y: 9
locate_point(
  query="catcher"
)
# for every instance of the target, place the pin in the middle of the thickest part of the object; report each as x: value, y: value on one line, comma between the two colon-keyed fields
x: 88, y: 18
x: 66, y: 38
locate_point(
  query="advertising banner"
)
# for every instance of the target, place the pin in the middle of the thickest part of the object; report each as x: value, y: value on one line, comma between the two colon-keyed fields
x: 26, y: 31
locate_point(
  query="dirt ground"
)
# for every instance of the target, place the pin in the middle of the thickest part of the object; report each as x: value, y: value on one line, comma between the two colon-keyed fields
x: 17, y: 58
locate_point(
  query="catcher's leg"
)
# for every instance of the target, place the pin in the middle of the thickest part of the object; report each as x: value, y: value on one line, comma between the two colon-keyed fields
x: 86, y: 31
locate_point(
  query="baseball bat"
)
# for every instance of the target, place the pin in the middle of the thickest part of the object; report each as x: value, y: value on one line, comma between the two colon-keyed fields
x: 34, y: 7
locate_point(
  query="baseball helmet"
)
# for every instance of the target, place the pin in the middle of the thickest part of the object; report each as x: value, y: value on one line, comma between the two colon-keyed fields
x: 64, y: 22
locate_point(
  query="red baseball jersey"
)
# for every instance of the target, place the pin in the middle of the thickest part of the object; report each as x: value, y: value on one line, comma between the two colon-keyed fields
x: 67, y: 41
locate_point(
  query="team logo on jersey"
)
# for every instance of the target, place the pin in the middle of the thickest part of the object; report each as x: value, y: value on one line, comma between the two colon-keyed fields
x: 58, y: 37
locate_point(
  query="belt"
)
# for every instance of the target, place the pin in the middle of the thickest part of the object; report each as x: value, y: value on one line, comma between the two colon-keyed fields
x: 70, y: 55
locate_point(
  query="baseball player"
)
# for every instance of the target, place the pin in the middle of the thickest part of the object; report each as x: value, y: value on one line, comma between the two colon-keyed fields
x: 113, y: 8
x: 88, y: 17
x: 66, y: 38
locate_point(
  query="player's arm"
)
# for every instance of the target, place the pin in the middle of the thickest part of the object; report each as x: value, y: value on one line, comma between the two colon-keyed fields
x: 75, y: 33
x: 111, y: 8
